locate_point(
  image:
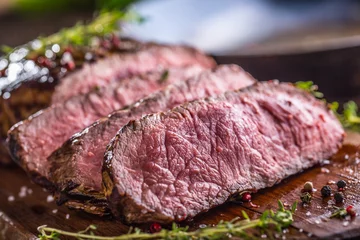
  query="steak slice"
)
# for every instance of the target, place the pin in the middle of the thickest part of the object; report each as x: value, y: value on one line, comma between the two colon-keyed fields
x: 34, y: 139
x: 117, y: 66
x: 28, y: 87
x: 173, y: 165
x: 75, y: 166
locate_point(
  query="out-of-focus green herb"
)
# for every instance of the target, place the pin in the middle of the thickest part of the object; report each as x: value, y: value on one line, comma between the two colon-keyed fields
x: 278, y: 220
x: 339, y: 213
x: 309, y: 86
x: 349, y: 117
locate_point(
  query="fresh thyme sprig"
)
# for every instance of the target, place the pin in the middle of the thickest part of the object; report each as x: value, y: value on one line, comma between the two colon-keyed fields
x: 349, y: 117
x: 279, y: 220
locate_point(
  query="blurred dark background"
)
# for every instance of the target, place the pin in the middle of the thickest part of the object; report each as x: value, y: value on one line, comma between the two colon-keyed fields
x: 289, y: 40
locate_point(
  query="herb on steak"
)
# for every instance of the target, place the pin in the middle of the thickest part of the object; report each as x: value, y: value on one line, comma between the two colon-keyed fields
x: 164, y: 76
x: 349, y: 117
x: 310, y: 87
x: 278, y: 220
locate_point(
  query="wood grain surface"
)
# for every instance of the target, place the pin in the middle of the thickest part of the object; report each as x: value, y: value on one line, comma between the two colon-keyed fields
x: 25, y: 206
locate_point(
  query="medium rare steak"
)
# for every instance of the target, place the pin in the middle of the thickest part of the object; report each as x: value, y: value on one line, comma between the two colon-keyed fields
x: 75, y: 166
x: 33, y: 140
x: 117, y: 66
x: 173, y: 165
x: 27, y: 83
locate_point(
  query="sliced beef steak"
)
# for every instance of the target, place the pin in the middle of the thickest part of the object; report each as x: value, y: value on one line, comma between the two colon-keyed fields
x: 75, y: 166
x: 31, y: 84
x: 118, y: 66
x: 173, y: 165
x: 33, y: 140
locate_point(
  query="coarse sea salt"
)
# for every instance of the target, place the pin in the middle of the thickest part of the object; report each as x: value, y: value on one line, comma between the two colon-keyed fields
x: 49, y: 198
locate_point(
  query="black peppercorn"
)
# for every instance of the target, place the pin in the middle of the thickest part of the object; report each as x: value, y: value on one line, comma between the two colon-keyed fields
x: 339, y: 198
x: 341, y: 184
x: 326, y: 191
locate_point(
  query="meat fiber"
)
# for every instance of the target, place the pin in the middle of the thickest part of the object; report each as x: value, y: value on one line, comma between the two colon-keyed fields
x: 170, y: 166
x: 117, y: 66
x: 34, y: 139
x: 75, y: 166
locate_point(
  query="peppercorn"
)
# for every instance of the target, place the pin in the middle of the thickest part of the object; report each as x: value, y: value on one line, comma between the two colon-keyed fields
x: 246, y: 197
x: 306, y: 197
x: 341, y: 184
x: 155, y: 227
x: 326, y: 191
x: 350, y: 210
x: 339, y: 198
x: 308, y: 187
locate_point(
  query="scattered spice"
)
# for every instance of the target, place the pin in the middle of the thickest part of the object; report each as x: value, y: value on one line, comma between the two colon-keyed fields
x: 351, y: 211
x: 246, y: 197
x: 308, y: 187
x: 306, y: 197
x: 326, y: 191
x: 155, y: 228
x: 341, y: 184
x: 339, y: 197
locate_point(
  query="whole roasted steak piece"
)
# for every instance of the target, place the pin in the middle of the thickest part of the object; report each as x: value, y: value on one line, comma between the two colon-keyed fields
x: 75, y: 166
x: 34, y: 139
x: 148, y: 56
x: 172, y: 165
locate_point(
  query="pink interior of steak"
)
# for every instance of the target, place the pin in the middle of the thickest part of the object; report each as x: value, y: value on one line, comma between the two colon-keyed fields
x: 79, y: 159
x: 173, y: 165
x: 117, y: 66
x: 33, y: 140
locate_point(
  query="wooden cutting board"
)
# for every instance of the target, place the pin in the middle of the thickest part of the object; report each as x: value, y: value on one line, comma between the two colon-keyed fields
x: 25, y: 206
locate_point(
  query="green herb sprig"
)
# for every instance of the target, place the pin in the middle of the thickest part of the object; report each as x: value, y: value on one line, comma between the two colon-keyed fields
x: 279, y: 220
x: 339, y: 213
x: 349, y: 117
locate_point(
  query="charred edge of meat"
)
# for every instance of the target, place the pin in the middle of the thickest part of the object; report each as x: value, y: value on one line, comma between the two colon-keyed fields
x: 14, y: 147
x: 99, y: 209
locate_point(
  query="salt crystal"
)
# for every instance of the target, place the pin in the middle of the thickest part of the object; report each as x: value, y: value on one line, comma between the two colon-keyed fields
x: 324, y: 170
x: 67, y: 216
x: 309, y: 234
x: 308, y: 214
x: 263, y: 236
x: 11, y: 198
x: 22, y: 194
x: 346, y: 223
x: 301, y: 230
x: 346, y: 157
x: 202, y: 226
x: 54, y: 211
x: 29, y: 191
x: 325, y: 162
x: 49, y: 198
x: 317, y: 221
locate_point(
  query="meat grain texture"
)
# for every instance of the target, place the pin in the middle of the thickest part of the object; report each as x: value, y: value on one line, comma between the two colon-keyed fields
x: 34, y: 139
x: 170, y: 166
x: 148, y: 57
x: 75, y: 166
